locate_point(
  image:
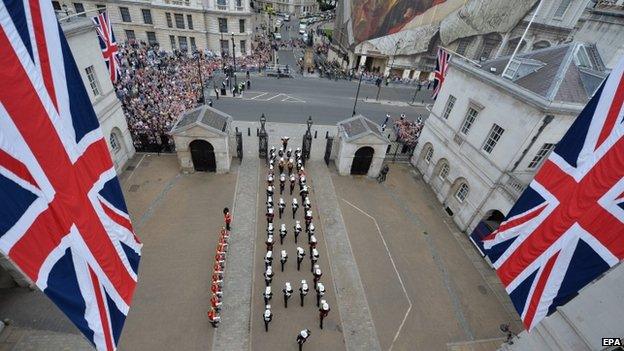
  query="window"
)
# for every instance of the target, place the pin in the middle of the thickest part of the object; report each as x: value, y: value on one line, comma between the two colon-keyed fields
x: 463, y: 45
x: 495, y: 134
x: 462, y: 192
x: 541, y: 155
x: 239, y: 3
x: 56, y: 5
x: 183, y: 43
x: 193, y: 46
x: 561, y: 10
x: 179, y: 20
x: 449, y: 106
x: 93, y: 82
x: 169, y: 22
x: 241, y: 25
x: 225, y: 46
x: 114, y: 142
x: 79, y: 7
x: 444, y: 171
x: 243, y: 47
x: 101, y: 8
x: 172, y: 39
x: 151, y: 38
x: 429, y: 154
x: 130, y: 34
x: 189, y: 20
x: 125, y: 14
x: 471, y: 116
x: 221, y: 4
x: 147, y: 16
x: 223, y: 25
x: 511, y: 71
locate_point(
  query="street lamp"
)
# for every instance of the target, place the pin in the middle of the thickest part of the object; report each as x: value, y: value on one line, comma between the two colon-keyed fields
x: 357, y: 94
x: 201, y: 80
x: 234, y: 59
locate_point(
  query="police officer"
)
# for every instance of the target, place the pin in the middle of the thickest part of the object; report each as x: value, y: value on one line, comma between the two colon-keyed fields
x: 292, y: 183
x: 282, y: 233
x: 320, y: 292
x: 268, y: 275
x: 314, y: 257
x: 268, y: 259
x: 282, y: 183
x: 300, y: 255
x: 283, y: 258
x: 268, y: 295
x: 297, y: 230
x: 317, y: 273
x: 302, y: 337
x: 213, y: 318
x: 303, y: 290
x: 295, y: 206
x: 267, y: 317
x: 270, y: 215
x: 287, y: 293
x: 281, y: 206
x: 323, y: 311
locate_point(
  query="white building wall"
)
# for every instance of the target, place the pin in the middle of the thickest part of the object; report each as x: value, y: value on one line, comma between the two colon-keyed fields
x: 604, y: 29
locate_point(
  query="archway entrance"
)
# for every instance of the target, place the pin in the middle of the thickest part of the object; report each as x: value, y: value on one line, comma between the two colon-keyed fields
x: 362, y: 160
x: 488, y: 224
x: 202, y: 154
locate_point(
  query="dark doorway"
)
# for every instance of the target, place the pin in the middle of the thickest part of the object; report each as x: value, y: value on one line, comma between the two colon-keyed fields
x: 202, y: 154
x: 362, y: 160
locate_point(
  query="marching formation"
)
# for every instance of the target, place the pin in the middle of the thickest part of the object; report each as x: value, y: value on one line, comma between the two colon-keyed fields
x: 286, y: 174
x: 216, y: 287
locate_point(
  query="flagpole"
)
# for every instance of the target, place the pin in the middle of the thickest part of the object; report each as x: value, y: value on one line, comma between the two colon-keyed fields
x: 526, y: 30
x: 462, y: 56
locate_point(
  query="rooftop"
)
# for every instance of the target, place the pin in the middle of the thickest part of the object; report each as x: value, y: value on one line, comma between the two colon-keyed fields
x: 359, y: 126
x: 204, y: 116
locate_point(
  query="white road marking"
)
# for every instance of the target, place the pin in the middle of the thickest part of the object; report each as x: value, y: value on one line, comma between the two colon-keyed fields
x: 135, y: 168
x: 409, y: 301
x: 273, y: 97
x: 257, y: 96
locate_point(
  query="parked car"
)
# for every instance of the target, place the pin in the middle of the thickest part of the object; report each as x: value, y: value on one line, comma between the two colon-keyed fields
x: 277, y: 36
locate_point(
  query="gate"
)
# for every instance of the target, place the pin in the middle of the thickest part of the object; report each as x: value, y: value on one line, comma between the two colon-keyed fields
x: 239, y: 145
x: 306, y: 147
x: 399, y: 152
x: 262, y: 139
x: 328, y: 149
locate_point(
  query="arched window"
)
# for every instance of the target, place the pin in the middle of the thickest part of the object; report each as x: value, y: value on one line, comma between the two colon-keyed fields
x: 429, y: 154
x: 511, y: 46
x: 444, y: 171
x: 542, y: 44
x: 114, y: 142
x: 462, y: 192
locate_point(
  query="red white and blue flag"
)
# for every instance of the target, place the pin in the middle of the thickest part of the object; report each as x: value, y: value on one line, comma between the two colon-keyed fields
x: 440, y: 71
x: 107, y: 44
x: 63, y: 218
x: 567, y: 228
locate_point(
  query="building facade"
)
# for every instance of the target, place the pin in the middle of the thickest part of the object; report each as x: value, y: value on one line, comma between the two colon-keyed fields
x: 602, y: 25
x: 185, y: 25
x: 295, y: 7
x: 489, y: 131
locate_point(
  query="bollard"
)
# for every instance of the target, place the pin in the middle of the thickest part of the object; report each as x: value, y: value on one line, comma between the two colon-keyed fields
x: 326, y: 134
x: 257, y: 132
x: 236, y: 129
x: 248, y: 131
x: 315, y: 133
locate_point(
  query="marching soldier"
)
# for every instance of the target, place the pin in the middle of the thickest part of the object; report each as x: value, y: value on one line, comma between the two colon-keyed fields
x: 282, y: 183
x: 280, y: 152
x: 303, y: 192
x: 270, y: 179
x: 317, y: 273
x: 320, y: 292
x: 302, y: 178
x: 290, y: 165
x: 285, y: 142
x: 215, y: 303
x: 267, y: 317
x: 268, y: 259
x: 283, y: 233
x: 302, y: 337
x: 308, y: 219
x: 281, y: 164
x: 224, y: 234
x: 312, y: 242
x: 270, y: 190
x: 314, y: 257
x: 310, y: 230
x: 268, y: 295
x: 297, y: 229
x: 283, y: 258
x: 213, y: 318
x: 295, y: 206
x: 292, y: 183
x: 269, y: 201
x: 323, y: 311
x: 272, y: 152
x: 289, y: 152
x: 268, y: 275
x: 227, y: 217
x: 300, y: 256
x: 270, y: 229
x: 215, y: 289
x: 303, y: 290
x: 307, y: 204
x: 287, y: 293
x: 281, y: 206
x: 270, y: 215
x: 299, y: 164
x: 269, y: 243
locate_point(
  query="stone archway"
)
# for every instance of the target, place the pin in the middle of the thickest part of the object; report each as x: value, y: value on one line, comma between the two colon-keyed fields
x: 202, y: 154
x: 362, y: 160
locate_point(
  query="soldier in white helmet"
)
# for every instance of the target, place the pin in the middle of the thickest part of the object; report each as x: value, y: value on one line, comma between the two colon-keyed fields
x: 269, y: 201
x: 281, y: 164
x: 302, y: 337
x: 270, y: 229
x: 282, y: 180
x: 320, y: 292
x: 269, y: 243
x: 268, y: 259
x: 294, y: 206
x: 297, y: 230
x: 282, y: 233
x: 311, y: 230
x: 303, y: 192
x: 270, y: 215
x: 303, y: 290
x: 308, y: 219
x: 268, y: 275
x: 267, y: 316
x: 287, y: 293
x: 290, y: 165
x: 270, y: 179
x: 314, y: 257
x: 323, y: 311
x: 281, y: 205
x: 317, y: 273
x: 292, y: 182
x: 270, y: 190
x: 300, y: 255
x: 312, y: 242
x: 268, y: 295
x: 307, y: 204
x: 283, y: 258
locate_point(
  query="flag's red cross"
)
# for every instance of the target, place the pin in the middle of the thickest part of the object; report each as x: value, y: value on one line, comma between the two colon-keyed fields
x: 70, y: 205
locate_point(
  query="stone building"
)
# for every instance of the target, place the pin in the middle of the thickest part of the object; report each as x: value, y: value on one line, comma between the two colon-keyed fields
x: 361, y: 147
x: 489, y: 130
x: 296, y: 7
x: 603, y: 25
x: 174, y: 24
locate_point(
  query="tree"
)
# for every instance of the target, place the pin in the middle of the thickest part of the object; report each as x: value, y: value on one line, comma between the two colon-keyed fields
x: 325, y: 5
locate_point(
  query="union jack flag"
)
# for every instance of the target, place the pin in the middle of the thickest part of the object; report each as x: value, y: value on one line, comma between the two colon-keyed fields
x: 567, y: 228
x: 440, y: 71
x: 63, y: 219
x: 107, y: 44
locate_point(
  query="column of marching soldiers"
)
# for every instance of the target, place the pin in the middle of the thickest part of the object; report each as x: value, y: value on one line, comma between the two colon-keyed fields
x: 216, y: 287
x: 291, y: 169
